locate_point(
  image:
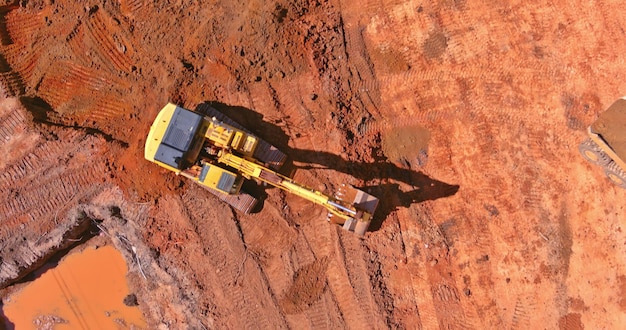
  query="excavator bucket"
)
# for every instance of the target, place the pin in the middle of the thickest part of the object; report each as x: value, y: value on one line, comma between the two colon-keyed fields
x: 364, y: 203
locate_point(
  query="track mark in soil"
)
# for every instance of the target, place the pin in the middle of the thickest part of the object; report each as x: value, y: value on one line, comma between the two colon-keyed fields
x: 111, y: 44
x: 22, y: 25
x: 522, y: 313
x: 36, y: 161
x: 293, y: 102
x: 323, y: 314
x: 11, y: 81
x: 356, y: 265
x: 58, y: 88
x: 343, y: 294
x: 54, y: 193
x: 571, y: 321
x: 238, y: 274
x: 262, y: 98
x: 580, y: 111
x: 77, y: 43
x: 363, y: 83
x: 79, y: 94
x: 435, y: 45
x: 353, y: 310
x: 446, y: 297
x: 450, y: 313
x: 132, y: 8
x: 12, y: 123
x: 24, y: 60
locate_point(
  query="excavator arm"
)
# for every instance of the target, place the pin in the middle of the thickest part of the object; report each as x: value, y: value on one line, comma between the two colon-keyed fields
x: 351, y: 208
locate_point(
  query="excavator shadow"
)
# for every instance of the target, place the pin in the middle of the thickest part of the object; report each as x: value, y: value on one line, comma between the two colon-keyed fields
x: 396, y: 187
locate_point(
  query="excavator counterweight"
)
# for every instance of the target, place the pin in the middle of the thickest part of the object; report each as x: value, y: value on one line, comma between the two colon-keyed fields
x: 219, y: 155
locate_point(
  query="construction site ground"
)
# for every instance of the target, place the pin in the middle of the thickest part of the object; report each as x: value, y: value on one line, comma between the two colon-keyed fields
x: 463, y: 117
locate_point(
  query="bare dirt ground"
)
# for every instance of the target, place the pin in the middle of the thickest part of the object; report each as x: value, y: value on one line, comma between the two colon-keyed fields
x: 462, y: 117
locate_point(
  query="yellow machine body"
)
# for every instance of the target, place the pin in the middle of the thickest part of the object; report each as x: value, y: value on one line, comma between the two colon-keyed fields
x: 219, y: 156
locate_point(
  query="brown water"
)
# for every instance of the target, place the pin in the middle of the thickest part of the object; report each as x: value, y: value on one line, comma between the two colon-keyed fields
x: 85, y: 291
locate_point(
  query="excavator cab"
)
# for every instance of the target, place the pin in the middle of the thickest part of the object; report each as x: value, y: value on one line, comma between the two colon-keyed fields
x: 175, y: 142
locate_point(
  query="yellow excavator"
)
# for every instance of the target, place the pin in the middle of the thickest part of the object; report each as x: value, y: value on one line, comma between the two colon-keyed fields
x: 606, y: 145
x: 219, y: 154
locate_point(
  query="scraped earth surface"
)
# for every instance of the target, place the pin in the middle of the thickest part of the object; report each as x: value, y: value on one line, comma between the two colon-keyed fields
x: 462, y: 117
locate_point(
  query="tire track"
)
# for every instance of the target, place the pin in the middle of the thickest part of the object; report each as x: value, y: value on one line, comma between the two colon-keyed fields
x: 424, y: 300
x: 417, y: 241
x: 320, y: 240
x: 446, y: 298
x: 363, y: 83
x: 38, y: 189
x: 273, y: 228
x: 76, y: 42
x: 12, y: 82
x: 132, y: 8
x: 291, y: 101
x: 17, y: 171
x: 523, y: 313
x: 67, y: 84
x: 473, y: 239
x: 237, y: 279
x: 302, y: 253
x: 448, y: 304
x: 24, y: 60
x: 111, y: 45
x: 378, y: 7
x: 5, y: 37
x: 485, y: 188
x: 339, y: 284
x: 21, y: 25
x: 107, y: 110
x: 343, y: 291
x: 40, y: 160
x: 56, y: 90
x: 350, y: 284
x: 47, y: 201
x: 11, y: 123
x: 94, y: 79
x: 262, y: 98
x: 221, y: 251
x: 324, y: 314
x: 360, y: 279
